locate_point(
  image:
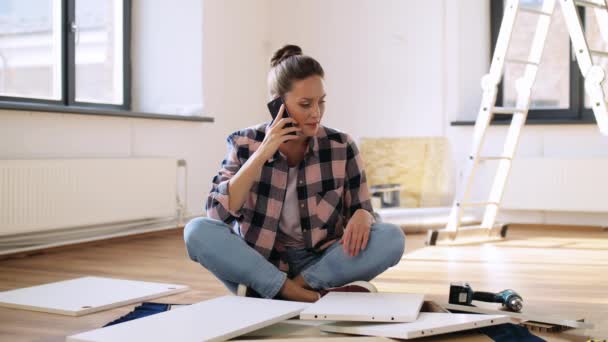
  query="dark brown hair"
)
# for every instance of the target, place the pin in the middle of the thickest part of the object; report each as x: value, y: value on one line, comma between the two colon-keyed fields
x: 288, y: 64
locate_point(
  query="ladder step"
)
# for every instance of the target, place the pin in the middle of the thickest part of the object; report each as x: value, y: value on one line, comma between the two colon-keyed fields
x: 476, y: 204
x: 520, y: 61
x: 508, y: 110
x: 591, y: 4
x: 535, y: 11
x: 495, y: 158
x: 599, y: 53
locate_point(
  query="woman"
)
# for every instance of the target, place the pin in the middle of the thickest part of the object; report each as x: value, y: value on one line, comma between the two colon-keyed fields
x: 304, y: 223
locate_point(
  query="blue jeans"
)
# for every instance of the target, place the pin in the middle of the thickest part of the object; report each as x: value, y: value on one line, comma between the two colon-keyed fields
x: 216, y: 247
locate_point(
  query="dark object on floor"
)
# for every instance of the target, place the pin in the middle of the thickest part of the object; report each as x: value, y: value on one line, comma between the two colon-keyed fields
x: 509, y: 333
x: 463, y: 294
x: 143, y: 310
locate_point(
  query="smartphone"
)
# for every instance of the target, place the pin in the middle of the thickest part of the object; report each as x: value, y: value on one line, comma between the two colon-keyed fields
x: 274, y: 106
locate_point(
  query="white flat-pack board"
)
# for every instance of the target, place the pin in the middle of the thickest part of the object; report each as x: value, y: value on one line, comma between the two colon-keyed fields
x: 522, y: 316
x: 427, y: 324
x: 365, y: 307
x: 332, y: 338
x: 297, y: 330
x: 217, y: 319
x: 290, y: 328
x: 81, y: 296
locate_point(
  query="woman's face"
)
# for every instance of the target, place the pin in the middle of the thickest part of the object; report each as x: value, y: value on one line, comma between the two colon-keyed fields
x: 306, y: 104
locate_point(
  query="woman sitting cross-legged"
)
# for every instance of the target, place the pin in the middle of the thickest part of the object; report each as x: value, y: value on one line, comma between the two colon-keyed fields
x: 289, y: 213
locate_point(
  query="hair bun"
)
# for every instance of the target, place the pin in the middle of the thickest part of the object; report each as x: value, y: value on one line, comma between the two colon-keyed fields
x: 284, y: 53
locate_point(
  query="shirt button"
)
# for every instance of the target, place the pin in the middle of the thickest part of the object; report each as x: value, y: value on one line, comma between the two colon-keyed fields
x: 301, y: 182
x: 302, y: 205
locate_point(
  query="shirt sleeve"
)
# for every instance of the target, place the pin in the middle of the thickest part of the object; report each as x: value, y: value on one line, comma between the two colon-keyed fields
x: 217, y: 202
x: 356, y: 194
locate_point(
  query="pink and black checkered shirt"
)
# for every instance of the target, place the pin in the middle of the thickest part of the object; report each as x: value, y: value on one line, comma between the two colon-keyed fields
x: 331, y: 186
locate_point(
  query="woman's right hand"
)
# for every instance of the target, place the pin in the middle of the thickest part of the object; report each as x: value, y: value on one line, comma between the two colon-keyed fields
x: 277, y: 134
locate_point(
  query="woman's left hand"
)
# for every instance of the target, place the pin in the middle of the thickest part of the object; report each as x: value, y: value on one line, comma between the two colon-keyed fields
x: 356, y: 234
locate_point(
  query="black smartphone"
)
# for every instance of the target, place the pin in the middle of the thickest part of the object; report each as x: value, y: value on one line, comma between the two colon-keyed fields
x: 274, y: 106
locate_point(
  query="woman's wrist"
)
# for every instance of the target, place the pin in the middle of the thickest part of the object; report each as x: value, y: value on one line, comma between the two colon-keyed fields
x: 366, y: 214
x: 259, y: 158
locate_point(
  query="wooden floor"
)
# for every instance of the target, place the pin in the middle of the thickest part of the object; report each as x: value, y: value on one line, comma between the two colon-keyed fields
x: 557, y: 271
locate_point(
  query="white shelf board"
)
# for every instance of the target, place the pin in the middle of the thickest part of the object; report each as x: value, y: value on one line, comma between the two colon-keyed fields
x: 81, y: 296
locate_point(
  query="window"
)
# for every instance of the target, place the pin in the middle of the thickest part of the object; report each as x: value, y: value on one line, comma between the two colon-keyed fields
x: 65, y: 52
x: 558, y: 92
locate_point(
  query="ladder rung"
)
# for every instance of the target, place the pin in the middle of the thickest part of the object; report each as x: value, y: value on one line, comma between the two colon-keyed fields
x: 495, y: 158
x: 586, y: 3
x: 472, y: 233
x: 476, y: 204
x: 599, y: 53
x: 520, y: 61
x: 508, y: 110
x: 534, y: 11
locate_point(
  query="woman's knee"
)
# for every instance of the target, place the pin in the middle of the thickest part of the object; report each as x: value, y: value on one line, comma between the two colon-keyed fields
x: 392, y: 239
x: 199, y: 233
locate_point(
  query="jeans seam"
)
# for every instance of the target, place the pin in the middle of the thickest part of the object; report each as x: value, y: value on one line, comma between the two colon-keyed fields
x: 279, y: 284
x: 311, y: 280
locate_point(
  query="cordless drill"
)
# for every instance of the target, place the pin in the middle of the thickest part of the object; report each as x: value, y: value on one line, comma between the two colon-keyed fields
x: 463, y: 294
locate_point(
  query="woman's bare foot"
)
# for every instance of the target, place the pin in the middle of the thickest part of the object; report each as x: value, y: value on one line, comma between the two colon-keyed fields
x: 292, y: 290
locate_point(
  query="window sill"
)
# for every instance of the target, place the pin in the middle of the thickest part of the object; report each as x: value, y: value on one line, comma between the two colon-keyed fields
x: 102, y: 112
x: 584, y: 121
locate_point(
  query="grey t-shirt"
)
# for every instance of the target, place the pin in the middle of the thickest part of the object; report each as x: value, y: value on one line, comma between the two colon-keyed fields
x: 290, y: 232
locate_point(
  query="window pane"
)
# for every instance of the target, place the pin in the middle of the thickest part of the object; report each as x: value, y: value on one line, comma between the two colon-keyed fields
x: 30, y: 48
x: 99, y: 51
x: 552, y: 87
x: 596, y: 41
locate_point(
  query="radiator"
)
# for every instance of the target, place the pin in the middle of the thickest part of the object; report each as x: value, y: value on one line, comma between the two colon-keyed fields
x: 38, y: 196
x: 547, y: 184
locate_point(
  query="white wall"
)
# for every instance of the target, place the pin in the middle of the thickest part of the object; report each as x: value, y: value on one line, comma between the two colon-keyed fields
x: 236, y: 50
x: 383, y: 61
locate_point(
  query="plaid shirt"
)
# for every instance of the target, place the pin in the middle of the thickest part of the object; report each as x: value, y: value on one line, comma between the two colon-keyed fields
x: 331, y: 187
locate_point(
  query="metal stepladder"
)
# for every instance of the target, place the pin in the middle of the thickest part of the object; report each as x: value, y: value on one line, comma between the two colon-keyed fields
x: 594, y: 78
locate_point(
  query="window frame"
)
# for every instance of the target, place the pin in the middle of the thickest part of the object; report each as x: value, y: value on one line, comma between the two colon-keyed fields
x: 576, y: 113
x: 68, y: 69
